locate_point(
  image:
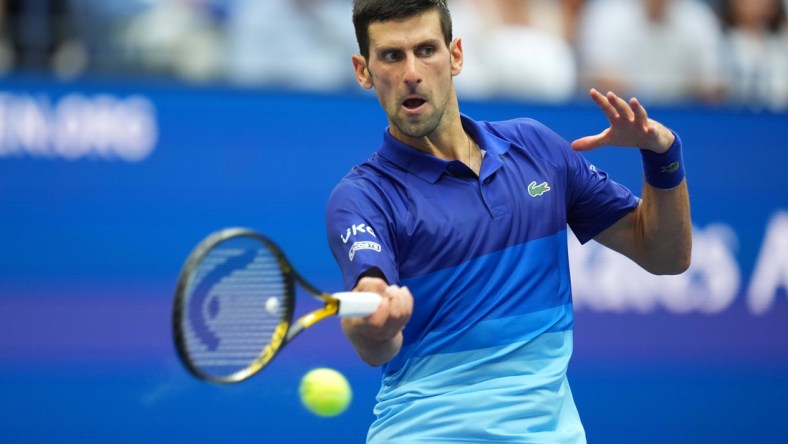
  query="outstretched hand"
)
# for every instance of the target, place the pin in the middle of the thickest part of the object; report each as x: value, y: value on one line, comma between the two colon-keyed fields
x: 629, y: 126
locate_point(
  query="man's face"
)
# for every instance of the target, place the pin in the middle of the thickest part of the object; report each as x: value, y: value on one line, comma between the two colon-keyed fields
x: 411, y: 69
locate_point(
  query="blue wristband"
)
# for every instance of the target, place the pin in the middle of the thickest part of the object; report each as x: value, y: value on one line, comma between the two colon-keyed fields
x: 664, y: 170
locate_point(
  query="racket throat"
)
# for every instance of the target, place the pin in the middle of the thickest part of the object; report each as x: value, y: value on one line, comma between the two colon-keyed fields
x: 330, y: 309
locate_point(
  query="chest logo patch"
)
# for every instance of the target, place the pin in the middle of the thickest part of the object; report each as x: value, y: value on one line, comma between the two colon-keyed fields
x: 537, y: 190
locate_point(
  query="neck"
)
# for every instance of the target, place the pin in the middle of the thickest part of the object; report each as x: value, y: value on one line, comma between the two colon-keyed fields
x: 448, y: 145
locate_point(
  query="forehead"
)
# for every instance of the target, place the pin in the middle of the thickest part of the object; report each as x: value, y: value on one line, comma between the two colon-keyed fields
x: 403, y: 32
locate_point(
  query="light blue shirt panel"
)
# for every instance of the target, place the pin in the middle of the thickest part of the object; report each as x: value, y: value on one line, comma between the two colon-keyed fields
x: 515, y: 393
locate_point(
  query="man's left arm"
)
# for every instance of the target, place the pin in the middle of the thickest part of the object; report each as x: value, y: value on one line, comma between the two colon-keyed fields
x: 657, y: 234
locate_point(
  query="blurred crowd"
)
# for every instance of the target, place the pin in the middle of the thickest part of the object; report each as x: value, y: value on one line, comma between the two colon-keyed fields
x: 731, y: 52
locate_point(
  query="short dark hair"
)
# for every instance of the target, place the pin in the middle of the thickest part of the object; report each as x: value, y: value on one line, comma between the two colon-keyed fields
x: 366, y: 12
x: 730, y: 20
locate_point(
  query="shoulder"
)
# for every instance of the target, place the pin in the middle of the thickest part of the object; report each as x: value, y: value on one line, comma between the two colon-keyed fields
x: 524, y: 126
x: 374, y: 184
x: 363, y: 181
x: 531, y: 136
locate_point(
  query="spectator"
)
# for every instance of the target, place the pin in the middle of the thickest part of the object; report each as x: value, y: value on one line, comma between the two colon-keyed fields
x: 570, y: 10
x: 291, y: 43
x: 662, y: 51
x: 182, y: 38
x: 40, y: 37
x: 557, y: 16
x: 6, y: 50
x: 757, y: 52
x: 508, y: 56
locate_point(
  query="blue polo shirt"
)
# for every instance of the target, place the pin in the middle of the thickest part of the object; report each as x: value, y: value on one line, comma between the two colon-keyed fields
x: 485, y: 354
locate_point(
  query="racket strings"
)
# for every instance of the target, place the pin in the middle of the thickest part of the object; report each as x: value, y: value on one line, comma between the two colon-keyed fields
x: 233, y: 307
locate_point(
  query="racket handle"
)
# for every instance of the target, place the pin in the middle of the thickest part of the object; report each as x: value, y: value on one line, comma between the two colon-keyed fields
x: 357, y: 303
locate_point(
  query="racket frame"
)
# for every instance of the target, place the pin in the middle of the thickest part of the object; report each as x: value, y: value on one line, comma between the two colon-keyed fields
x: 184, y: 283
x: 286, y: 330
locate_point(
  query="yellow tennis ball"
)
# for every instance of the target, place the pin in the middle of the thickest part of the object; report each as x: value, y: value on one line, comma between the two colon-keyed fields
x: 325, y: 392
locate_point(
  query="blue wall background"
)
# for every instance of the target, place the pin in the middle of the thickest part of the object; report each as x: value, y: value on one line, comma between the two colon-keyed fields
x: 92, y: 246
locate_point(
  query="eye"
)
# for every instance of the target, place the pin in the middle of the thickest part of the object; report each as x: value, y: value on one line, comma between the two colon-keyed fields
x: 391, y: 55
x: 426, y: 50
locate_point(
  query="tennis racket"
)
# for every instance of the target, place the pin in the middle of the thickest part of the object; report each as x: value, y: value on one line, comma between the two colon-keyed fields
x: 234, y: 305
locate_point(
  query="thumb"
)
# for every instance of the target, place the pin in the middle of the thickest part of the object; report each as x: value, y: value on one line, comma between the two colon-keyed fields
x: 590, y: 142
x: 587, y: 143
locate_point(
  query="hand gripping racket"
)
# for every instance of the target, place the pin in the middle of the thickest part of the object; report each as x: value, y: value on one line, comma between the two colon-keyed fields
x: 234, y: 305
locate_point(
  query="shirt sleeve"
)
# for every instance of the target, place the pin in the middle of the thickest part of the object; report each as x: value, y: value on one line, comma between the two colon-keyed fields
x: 595, y: 201
x: 358, y: 229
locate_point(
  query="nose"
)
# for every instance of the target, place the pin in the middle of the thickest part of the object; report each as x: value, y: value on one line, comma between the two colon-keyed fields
x: 412, y: 75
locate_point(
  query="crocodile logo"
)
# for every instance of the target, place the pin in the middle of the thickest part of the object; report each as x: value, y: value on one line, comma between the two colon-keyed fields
x: 672, y: 168
x: 537, y: 190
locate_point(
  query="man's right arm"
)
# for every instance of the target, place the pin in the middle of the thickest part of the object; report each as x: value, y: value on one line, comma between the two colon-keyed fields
x: 377, y: 338
x: 358, y: 231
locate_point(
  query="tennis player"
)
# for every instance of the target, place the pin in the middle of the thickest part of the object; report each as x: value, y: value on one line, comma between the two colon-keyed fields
x: 462, y: 226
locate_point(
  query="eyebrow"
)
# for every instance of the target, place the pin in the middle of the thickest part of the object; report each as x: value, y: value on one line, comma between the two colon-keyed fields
x: 428, y: 41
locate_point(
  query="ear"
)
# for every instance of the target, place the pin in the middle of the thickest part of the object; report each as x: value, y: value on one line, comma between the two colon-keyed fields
x: 455, y: 49
x: 363, y: 76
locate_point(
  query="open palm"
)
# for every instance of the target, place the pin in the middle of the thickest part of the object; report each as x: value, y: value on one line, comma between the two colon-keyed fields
x: 630, y: 126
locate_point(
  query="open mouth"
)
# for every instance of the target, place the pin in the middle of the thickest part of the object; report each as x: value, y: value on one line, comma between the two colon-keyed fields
x: 414, y: 103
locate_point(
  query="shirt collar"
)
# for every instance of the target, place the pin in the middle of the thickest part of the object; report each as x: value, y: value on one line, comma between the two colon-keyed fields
x: 431, y: 168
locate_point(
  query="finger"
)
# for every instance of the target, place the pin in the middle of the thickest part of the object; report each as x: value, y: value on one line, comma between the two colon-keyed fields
x: 401, y: 309
x: 596, y: 96
x: 372, y: 284
x: 379, y: 317
x: 588, y: 143
x: 398, y: 300
x: 622, y: 108
x: 390, y: 298
x: 391, y: 291
x: 641, y: 116
x: 405, y: 300
x: 604, y: 104
x: 408, y: 297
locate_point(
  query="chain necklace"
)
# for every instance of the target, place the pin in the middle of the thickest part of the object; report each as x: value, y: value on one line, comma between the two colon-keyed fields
x: 469, y: 151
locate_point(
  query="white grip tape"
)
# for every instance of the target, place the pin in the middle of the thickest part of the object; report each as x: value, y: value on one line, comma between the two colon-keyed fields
x: 357, y: 303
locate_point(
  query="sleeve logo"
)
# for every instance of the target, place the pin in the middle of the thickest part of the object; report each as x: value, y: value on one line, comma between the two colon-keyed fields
x: 365, y: 245
x: 355, y: 230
